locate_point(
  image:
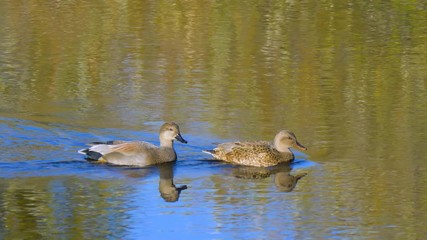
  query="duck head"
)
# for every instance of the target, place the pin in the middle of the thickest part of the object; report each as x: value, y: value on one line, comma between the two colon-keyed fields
x: 170, y: 131
x: 286, y: 139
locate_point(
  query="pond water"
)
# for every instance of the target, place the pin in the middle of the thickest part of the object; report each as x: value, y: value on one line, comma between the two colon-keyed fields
x: 348, y: 78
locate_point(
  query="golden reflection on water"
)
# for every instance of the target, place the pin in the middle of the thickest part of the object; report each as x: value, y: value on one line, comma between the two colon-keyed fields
x: 47, y: 207
x: 349, y: 78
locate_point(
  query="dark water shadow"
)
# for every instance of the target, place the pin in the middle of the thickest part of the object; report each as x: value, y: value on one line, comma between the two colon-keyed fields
x: 167, y: 188
x: 283, y: 179
x: 168, y: 191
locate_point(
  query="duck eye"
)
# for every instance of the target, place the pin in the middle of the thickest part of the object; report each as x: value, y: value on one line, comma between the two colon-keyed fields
x: 170, y: 129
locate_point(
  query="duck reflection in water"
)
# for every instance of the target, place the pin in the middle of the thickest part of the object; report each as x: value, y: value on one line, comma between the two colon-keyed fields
x: 283, y: 179
x: 168, y: 191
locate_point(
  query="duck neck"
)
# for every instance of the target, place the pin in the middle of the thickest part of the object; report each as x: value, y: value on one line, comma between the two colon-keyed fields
x: 166, y: 143
x: 168, y: 153
x: 280, y: 147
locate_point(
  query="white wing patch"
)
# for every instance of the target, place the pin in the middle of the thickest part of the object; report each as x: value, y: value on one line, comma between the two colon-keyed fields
x: 101, y: 148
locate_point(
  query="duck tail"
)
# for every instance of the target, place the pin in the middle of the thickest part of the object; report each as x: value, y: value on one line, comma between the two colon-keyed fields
x: 210, y: 152
x: 213, y: 153
x: 90, y: 155
x: 83, y: 151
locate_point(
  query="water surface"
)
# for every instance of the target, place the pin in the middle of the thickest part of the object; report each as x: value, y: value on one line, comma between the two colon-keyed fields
x: 349, y: 78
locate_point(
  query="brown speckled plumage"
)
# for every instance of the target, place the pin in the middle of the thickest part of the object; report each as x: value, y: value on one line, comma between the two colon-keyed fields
x: 258, y: 154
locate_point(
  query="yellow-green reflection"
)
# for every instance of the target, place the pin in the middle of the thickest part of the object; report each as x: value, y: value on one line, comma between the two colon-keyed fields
x: 349, y: 78
x: 35, y: 208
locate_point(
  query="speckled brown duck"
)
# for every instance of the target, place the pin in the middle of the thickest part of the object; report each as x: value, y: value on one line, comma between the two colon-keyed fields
x: 136, y: 153
x: 258, y: 154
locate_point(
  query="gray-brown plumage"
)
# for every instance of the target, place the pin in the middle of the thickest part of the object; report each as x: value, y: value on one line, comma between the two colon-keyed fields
x: 258, y: 154
x: 137, y: 153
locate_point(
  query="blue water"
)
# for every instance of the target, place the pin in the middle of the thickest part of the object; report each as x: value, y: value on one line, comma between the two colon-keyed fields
x: 40, y: 161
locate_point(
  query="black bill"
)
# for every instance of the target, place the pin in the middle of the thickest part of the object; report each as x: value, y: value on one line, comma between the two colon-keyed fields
x: 179, y: 138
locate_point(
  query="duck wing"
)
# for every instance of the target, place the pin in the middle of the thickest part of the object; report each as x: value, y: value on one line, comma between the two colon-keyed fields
x: 134, y: 153
x: 131, y: 148
x: 113, y: 142
x: 258, y: 154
